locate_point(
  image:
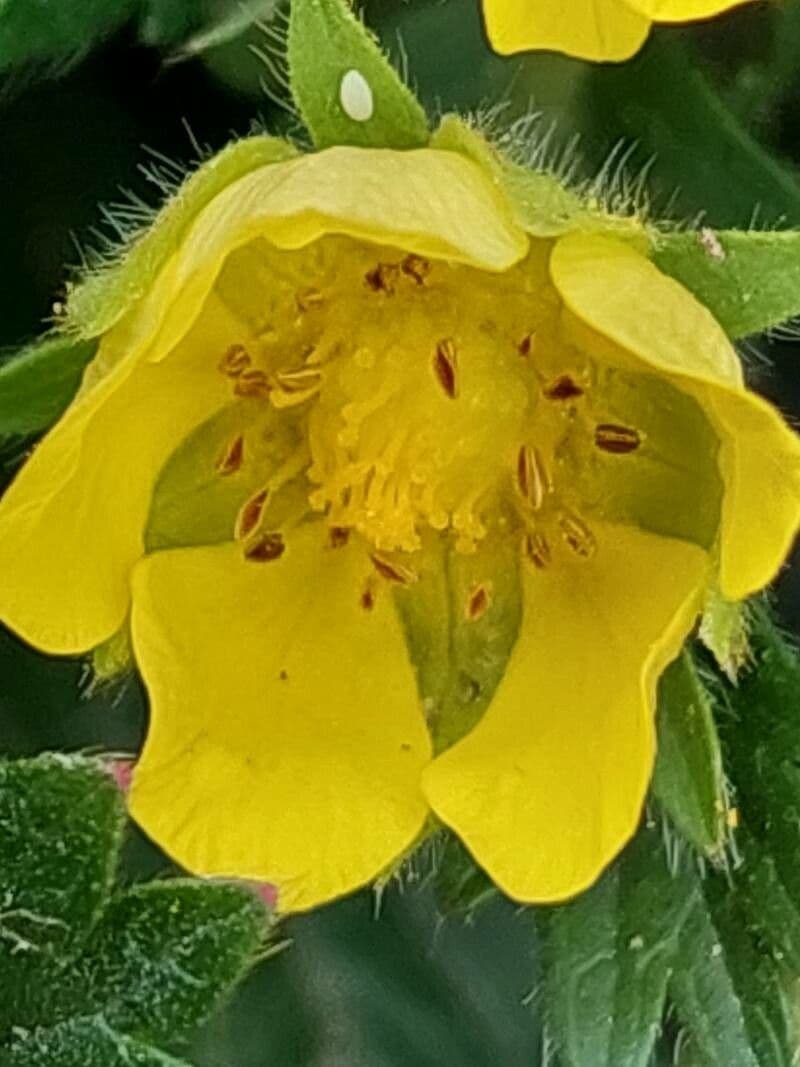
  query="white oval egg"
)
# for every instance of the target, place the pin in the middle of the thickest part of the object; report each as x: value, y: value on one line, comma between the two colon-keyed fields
x: 356, y: 96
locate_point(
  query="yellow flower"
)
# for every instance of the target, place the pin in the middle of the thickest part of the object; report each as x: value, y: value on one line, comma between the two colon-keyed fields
x: 409, y: 510
x: 588, y: 29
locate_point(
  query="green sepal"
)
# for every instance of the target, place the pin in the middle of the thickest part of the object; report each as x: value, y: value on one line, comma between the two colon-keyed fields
x: 749, y: 281
x: 688, y: 778
x: 607, y: 957
x: 460, y: 661
x: 38, y: 384
x: 104, y: 295
x: 724, y: 632
x: 542, y: 204
x: 193, y: 504
x: 327, y: 42
x: 114, y: 657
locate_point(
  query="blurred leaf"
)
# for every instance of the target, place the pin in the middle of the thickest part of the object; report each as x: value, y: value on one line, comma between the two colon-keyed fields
x: 662, y: 105
x: 38, y: 384
x: 688, y: 773
x: 607, y: 957
x: 397, y: 985
x: 36, y: 31
x: 346, y: 90
x: 233, y: 22
x: 750, y: 281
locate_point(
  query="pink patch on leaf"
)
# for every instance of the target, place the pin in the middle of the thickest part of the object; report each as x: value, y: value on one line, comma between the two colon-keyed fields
x: 121, y: 770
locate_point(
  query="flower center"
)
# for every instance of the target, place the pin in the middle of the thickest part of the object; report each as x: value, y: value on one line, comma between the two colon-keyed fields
x: 427, y: 395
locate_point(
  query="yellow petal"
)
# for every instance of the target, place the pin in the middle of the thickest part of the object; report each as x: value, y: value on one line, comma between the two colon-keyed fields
x: 550, y: 784
x: 624, y: 299
x: 435, y: 203
x: 681, y: 10
x: 286, y: 739
x: 587, y: 29
x: 72, y: 523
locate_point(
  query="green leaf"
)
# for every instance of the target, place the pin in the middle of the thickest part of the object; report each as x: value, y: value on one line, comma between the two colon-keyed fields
x: 85, y: 981
x: 607, y: 957
x: 60, y: 825
x: 688, y: 780
x: 761, y: 740
x: 345, y: 89
x: 38, y: 384
x: 81, y: 1043
x: 729, y: 986
x: 749, y: 281
x: 164, y: 954
x: 387, y: 984
x: 36, y: 31
x: 726, y: 989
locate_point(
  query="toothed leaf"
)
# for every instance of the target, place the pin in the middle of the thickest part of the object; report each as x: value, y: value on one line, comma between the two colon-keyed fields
x: 607, y: 957
x: 749, y: 281
x: 346, y: 90
x: 165, y: 953
x: 761, y: 738
x: 81, y: 1043
x: 38, y: 384
x: 60, y: 825
x: 688, y: 779
x: 726, y: 990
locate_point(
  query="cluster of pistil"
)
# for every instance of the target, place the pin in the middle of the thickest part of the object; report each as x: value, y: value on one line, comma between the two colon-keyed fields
x: 374, y: 367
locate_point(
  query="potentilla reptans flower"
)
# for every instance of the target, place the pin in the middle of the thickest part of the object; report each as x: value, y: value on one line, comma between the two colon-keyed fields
x: 408, y: 508
x: 600, y: 30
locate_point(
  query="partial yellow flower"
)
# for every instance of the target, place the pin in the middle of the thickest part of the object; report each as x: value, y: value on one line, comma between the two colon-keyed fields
x: 600, y: 30
x: 409, y: 510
